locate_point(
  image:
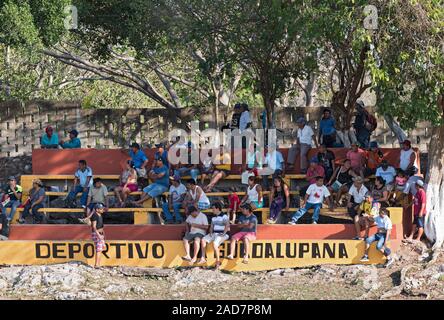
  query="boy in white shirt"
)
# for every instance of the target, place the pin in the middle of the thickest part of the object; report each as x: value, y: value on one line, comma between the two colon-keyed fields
x: 305, y: 136
x: 196, y: 229
x: 384, y: 225
x: 314, y: 198
x: 175, y: 199
x: 356, y: 195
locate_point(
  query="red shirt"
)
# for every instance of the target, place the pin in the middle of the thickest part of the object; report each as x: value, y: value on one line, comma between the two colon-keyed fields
x: 420, y: 198
x: 233, y: 199
x: 314, y: 172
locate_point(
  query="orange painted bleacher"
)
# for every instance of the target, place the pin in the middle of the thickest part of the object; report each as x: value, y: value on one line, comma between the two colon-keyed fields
x: 111, y: 161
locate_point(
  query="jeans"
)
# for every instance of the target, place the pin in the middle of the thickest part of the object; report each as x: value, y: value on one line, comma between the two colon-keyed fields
x: 176, y: 209
x: 194, y: 172
x: 363, y: 137
x: 155, y: 190
x: 37, y: 216
x: 316, y: 211
x: 13, y: 205
x: 73, y: 193
x: 276, y: 207
x: 379, y: 237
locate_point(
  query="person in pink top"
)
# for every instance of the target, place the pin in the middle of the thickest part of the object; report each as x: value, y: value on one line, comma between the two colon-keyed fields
x: 357, y: 159
x: 419, y: 211
x: 314, y: 170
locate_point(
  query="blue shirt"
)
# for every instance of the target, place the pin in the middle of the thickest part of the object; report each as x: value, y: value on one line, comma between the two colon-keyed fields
x: 250, y: 219
x: 164, y: 157
x: 165, y: 180
x: 327, y: 126
x: 138, y: 158
x: 46, y: 141
x: 72, y: 144
x: 274, y: 160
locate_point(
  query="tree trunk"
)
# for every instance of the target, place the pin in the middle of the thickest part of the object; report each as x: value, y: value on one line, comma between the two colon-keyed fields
x: 310, y: 90
x: 434, y: 221
x: 396, y: 129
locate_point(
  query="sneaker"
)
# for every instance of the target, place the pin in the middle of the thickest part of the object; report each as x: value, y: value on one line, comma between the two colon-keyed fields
x: 357, y: 238
x: 291, y: 222
x: 21, y: 221
x: 314, y: 222
x: 83, y: 206
x: 389, y: 262
x: 271, y: 221
x: 364, y: 258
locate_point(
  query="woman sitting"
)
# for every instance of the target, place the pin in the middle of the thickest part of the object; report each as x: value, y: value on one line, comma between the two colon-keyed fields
x: 253, y: 195
x: 341, y: 181
x: 128, y: 183
x: 279, y: 199
x: 380, y: 193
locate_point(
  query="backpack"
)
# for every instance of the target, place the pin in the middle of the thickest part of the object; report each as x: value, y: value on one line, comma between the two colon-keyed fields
x: 370, y: 121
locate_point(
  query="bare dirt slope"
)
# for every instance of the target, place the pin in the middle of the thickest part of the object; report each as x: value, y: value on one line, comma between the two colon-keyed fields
x: 412, y: 276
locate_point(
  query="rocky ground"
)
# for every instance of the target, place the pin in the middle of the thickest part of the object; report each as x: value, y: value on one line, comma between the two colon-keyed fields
x: 414, y: 275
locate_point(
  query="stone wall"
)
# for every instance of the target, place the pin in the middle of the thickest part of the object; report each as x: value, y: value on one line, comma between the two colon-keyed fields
x: 21, y: 126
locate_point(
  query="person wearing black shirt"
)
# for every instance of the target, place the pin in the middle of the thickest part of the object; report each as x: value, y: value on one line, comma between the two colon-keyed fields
x: 98, y: 236
x: 326, y: 159
x: 4, y: 227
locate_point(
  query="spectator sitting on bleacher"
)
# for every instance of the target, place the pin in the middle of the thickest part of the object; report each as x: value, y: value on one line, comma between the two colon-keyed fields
x: 357, y: 159
x: 388, y: 173
x: 183, y: 169
x: 82, y: 182
x: 279, y: 199
x: 218, y: 233
x: 160, y: 177
x: 128, y: 183
x: 98, y: 193
x: 73, y: 142
x: 139, y: 159
x: 408, y: 159
x: 195, y: 196
x: 400, y: 187
x: 233, y: 204
x: 341, y: 180
x: 222, y: 167
x: 12, y: 198
x: 326, y: 159
x: 314, y: 198
x: 380, y: 193
x: 384, y: 225
x: 49, y: 140
x: 314, y: 170
x: 254, y: 160
x: 274, y: 165
x: 35, y: 202
x: 247, y: 233
x: 161, y: 153
x: 4, y: 227
x: 206, y: 167
x: 356, y: 195
x: 175, y: 201
x: 374, y: 158
x: 196, y: 229
x: 253, y: 194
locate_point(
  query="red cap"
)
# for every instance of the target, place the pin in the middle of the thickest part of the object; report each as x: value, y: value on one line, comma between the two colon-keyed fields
x: 49, y: 128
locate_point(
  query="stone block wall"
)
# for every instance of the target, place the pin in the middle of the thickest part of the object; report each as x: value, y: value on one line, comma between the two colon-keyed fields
x: 21, y: 126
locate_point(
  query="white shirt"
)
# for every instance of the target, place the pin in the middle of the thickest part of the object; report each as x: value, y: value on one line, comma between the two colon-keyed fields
x: 410, y: 186
x: 317, y: 194
x: 405, y: 159
x: 176, y: 192
x: 388, y: 175
x: 83, y: 175
x: 358, y: 196
x: 203, y: 197
x: 305, y: 135
x: 244, y: 120
x: 200, y: 219
x: 219, y: 222
x: 383, y: 223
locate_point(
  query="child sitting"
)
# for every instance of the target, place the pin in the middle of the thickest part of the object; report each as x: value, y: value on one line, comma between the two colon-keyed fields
x: 400, y: 184
x: 368, y: 210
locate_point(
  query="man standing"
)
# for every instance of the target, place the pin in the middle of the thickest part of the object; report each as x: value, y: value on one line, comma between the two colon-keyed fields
x: 13, y: 196
x: 362, y: 131
x: 327, y: 130
x: 73, y: 142
x: 303, y: 144
x: 82, y: 182
x: 49, y: 140
x: 139, y: 158
x: 314, y: 198
x: 419, y: 211
x: 160, y: 177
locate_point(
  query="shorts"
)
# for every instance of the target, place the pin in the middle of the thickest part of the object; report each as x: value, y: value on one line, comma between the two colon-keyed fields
x: 244, y: 235
x: 258, y: 204
x: 227, y: 172
x: 132, y: 187
x: 419, y: 221
x: 191, y: 236
x: 98, y: 243
x: 141, y: 172
x: 216, y: 238
x: 203, y: 205
x: 155, y: 190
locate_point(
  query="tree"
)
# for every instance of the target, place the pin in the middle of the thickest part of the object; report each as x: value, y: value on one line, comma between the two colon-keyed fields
x: 407, y: 69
